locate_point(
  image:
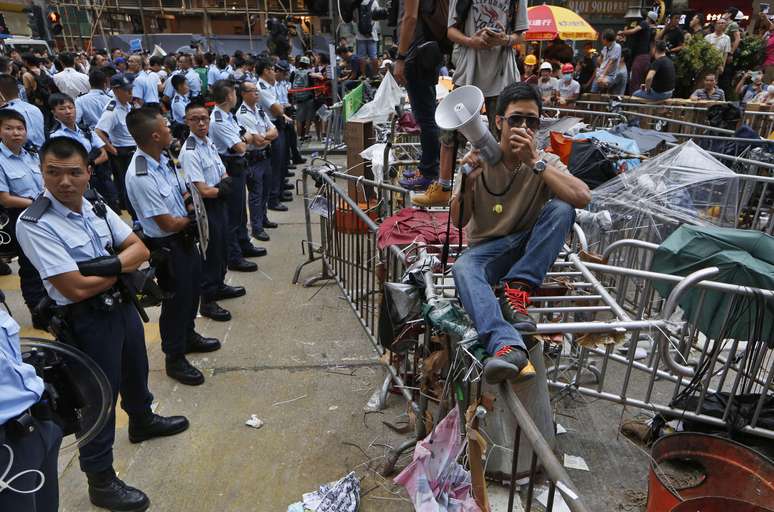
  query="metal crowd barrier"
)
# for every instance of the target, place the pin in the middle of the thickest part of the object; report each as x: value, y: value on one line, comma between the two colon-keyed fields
x: 334, y: 128
x: 601, y: 309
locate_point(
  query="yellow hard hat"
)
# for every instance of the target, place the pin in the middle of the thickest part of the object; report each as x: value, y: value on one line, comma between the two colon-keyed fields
x: 530, y: 60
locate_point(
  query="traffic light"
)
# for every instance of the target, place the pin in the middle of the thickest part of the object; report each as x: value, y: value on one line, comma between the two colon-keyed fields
x: 55, y: 23
x: 36, y: 22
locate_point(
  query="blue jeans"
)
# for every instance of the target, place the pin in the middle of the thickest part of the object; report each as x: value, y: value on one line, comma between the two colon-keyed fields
x: 525, y: 256
x: 421, y: 93
x: 652, y: 95
x: 365, y: 48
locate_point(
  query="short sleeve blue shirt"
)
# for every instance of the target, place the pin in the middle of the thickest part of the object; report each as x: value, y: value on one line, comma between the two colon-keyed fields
x: 20, y: 174
x: 62, y: 237
x: 34, y: 118
x: 20, y: 387
x: 89, y: 107
x: 146, y: 86
x: 158, y: 192
x: 91, y: 142
x: 268, y: 96
x: 178, y: 108
x: 202, y: 164
x: 224, y: 131
x: 113, y: 122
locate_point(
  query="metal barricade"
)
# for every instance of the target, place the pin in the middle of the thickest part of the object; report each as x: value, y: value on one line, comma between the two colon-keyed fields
x: 334, y: 128
x: 603, y: 311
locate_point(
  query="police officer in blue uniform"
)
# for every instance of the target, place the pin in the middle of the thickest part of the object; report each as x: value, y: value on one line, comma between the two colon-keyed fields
x: 119, y: 143
x: 192, y: 77
x: 145, y: 87
x: 232, y: 145
x: 158, y: 195
x: 276, y: 112
x: 177, y: 107
x: 204, y: 169
x: 32, y: 114
x: 64, y: 112
x: 20, y: 183
x: 252, y: 118
x: 81, y: 250
x: 29, y: 443
x: 89, y: 106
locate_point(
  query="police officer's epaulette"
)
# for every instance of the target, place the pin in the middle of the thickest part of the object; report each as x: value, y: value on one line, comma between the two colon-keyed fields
x: 140, y: 166
x: 263, y: 86
x: 56, y: 125
x: 86, y: 130
x: 111, y: 106
x: 30, y: 148
x: 218, y: 116
x: 176, y: 98
x: 243, y: 109
x: 35, y: 211
x: 190, y: 143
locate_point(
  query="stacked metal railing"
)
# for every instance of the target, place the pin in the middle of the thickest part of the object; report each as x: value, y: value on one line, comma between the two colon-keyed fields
x: 612, y: 305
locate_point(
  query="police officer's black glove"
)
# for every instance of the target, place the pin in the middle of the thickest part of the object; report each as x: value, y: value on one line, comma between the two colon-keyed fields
x: 192, y: 228
x: 225, y: 187
x: 103, y: 266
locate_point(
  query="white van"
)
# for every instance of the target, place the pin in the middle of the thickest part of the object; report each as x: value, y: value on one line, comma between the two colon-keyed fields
x: 24, y: 45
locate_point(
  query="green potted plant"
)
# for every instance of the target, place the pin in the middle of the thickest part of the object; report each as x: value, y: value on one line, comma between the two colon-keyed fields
x: 696, y: 57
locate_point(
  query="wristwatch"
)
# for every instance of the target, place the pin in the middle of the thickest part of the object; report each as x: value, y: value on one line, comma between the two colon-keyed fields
x: 539, y: 166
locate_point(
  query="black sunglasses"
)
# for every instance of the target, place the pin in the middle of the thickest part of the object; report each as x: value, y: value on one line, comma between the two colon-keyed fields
x: 532, y: 122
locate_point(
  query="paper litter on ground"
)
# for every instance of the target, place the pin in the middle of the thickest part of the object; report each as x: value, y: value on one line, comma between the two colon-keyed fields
x: 575, y: 462
x: 560, y: 429
x: 559, y: 504
x: 254, y: 421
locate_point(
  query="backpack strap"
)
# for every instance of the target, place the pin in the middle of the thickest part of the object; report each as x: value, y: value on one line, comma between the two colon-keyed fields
x: 35, y: 211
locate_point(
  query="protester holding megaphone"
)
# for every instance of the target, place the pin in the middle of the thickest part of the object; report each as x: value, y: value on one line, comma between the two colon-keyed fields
x: 517, y: 205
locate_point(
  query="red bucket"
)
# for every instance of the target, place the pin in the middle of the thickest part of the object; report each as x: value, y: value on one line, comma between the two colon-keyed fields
x: 717, y: 468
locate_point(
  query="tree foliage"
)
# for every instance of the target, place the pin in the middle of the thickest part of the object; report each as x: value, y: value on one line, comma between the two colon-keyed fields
x: 696, y: 58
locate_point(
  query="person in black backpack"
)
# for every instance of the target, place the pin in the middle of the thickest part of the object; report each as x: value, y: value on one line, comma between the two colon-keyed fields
x: 367, y: 37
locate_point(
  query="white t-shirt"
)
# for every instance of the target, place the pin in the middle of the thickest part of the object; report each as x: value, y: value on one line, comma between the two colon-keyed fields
x: 548, y: 87
x: 722, y: 42
x: 568, y: 90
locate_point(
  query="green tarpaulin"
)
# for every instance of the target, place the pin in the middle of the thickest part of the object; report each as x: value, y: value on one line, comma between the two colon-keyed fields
x: 353, y: 101
x: 743, y: 257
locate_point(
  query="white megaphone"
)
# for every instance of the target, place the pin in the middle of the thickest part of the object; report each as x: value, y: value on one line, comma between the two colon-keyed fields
x: 460, y: 111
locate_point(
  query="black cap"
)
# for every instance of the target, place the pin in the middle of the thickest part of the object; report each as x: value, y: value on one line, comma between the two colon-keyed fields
x: 122, y: 80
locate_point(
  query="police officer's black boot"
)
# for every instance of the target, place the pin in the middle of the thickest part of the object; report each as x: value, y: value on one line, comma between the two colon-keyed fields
x: 147, y: 426
x: 198, y: 343
x: 182, y: 371
x: 214, y: 311
x: 106, y: 490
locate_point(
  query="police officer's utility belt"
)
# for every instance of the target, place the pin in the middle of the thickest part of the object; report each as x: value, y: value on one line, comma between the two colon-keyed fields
x: 105, y: 301
x: 258, y: 155
x: 126, y: 150
x: 184, y: 237
x: 235, y: 164
x: 24, y: 423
